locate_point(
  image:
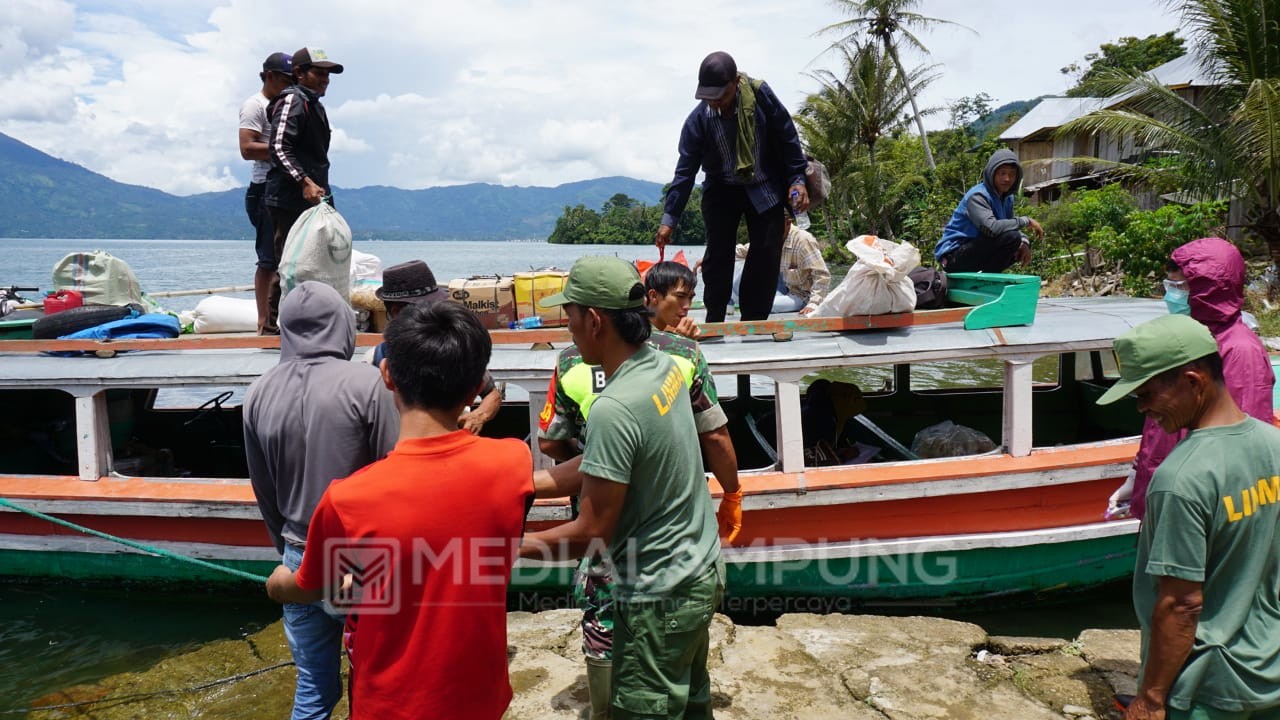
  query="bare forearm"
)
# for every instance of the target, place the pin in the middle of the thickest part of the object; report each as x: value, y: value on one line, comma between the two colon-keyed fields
x: 717, y: 447
x: 282, y: 587
x: 1173, y: 632
x: 562, y: 542
x: 561, y: 480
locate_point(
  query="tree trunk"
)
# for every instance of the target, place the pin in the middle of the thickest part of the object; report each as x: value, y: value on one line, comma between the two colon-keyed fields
x: 915, y: 110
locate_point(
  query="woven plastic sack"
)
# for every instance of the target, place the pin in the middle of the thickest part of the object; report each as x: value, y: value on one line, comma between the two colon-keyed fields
x: 100, y: 277
x: 878, y: 283
x: 221, y: 314
x: 318, y: 248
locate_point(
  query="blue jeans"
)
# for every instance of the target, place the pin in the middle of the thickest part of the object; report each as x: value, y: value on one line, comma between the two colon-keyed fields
x: 315, y: 639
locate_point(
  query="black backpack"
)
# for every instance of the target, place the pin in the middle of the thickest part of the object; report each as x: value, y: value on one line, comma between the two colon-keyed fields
x: 931, y: 287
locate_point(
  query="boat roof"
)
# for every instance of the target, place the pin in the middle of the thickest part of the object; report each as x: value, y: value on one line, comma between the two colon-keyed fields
x: 1061, y: 325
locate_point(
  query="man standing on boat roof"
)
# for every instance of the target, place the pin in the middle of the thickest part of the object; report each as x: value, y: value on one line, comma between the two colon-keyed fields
x: 314, y: 417
x: 669, y: 289
x: 983, y: 234
x: 1206, y: 281
x: 743, y: 138
x: 255, y: 123
x: 413, y: 283
x: 299, y: 146
x: 643, y: 492
x: 1209, y: 550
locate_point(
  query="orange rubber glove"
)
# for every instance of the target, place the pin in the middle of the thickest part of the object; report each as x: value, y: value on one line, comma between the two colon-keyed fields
x: 729, y: 516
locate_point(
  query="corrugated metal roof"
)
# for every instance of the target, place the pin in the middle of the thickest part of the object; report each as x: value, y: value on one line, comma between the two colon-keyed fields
x: 1049, y: 114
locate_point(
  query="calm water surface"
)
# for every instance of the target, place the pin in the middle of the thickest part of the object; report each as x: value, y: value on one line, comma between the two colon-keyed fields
x: 54, y: 636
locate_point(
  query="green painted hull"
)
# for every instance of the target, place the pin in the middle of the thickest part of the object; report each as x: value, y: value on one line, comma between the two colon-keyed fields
x: 966, y: 576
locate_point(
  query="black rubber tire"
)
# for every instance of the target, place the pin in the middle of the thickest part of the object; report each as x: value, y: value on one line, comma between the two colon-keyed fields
x: 66, y: 322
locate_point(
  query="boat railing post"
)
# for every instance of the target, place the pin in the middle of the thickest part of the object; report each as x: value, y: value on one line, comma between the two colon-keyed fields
x: 93, y: 434
x: 537, y: 399
x: 788, y: 428
x: 1017, y: 417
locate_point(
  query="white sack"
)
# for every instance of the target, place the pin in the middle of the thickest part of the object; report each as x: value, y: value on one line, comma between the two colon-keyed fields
x: 365, y: 267
x: 220, y: 314
x: 877, y: 284
x: 318, y: 248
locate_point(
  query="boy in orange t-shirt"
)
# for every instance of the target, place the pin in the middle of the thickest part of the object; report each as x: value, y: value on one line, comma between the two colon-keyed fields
x: 424, y: 538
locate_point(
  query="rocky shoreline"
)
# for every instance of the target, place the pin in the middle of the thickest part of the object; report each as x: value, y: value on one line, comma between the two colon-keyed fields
x: 862, y: 667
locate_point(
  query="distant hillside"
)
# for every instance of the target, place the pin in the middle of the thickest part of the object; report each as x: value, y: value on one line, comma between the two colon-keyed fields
x: 42, y: 196
x: 1002, y: 117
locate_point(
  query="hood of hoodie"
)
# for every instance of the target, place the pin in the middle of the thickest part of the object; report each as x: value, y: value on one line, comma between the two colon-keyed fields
x: 1003, y: 156
x: 315, y: 322
x: 1215, y: 273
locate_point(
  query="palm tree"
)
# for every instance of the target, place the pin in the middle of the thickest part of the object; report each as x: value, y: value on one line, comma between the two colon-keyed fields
x: 887, y: 21
x: 843, y: 123
x: 1227, y: 146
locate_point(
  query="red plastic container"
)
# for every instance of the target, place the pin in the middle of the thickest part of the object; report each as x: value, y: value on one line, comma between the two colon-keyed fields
x: 56, y: 302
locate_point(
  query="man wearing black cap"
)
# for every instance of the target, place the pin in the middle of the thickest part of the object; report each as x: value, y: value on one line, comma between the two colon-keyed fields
x: 276, y: 75
x: 299, y: 149
x: 413, y: 283
x: 743, y: 138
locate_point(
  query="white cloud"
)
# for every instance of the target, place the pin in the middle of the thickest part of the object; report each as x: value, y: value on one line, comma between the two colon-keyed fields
x: 529, y: 93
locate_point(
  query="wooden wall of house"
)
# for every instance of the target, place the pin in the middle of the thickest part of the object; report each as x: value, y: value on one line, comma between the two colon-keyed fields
x: 1028, y: 153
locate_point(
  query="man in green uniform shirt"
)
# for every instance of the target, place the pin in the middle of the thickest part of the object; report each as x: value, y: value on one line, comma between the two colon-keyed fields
x: 644, y: 493
x: 1207, y: 584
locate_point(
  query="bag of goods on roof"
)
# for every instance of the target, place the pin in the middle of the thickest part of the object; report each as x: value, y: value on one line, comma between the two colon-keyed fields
x: 99, y: 277
x: 878, y: 283
x: 318, y: 248
x: 220, y: 314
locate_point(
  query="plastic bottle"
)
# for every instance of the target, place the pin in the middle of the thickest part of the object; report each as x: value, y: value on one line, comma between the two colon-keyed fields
x: 802, y: 218
x: 533, y: 321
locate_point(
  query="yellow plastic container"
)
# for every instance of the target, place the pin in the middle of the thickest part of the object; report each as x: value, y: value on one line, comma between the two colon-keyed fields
x: 530, y: 287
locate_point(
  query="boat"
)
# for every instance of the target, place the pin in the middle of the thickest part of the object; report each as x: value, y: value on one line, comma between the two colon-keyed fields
x: 102, y: 449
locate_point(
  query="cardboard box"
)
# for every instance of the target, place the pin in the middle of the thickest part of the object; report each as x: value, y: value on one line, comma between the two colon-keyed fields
x: 489, y: 297
x: 530, y: 287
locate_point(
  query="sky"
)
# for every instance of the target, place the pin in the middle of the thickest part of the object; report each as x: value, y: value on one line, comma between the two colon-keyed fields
x: 516, y: 92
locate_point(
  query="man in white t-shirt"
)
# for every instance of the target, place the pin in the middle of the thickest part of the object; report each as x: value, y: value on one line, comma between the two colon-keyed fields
x: 255, y: 121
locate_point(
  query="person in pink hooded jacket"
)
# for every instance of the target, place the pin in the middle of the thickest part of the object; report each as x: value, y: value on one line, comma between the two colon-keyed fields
x: 1212, y: 291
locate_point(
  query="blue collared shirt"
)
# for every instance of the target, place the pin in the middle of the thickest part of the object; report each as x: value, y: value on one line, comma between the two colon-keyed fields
x: 708, y: 141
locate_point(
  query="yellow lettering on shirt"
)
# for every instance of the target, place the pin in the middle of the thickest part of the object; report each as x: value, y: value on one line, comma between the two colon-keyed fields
x: 1268, y: 490
x: 1232, y: 515
x: 672, y: 385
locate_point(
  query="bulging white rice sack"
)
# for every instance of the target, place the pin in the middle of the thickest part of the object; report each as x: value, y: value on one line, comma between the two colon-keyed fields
x: 877, y: 283
x: 318, y: 248
x: 220, y: 314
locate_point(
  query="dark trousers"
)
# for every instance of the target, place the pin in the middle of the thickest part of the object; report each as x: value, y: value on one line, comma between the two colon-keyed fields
x: 282, y: 220
x: 984, y: 254
x: 255, y: 206
x: 723, y: 208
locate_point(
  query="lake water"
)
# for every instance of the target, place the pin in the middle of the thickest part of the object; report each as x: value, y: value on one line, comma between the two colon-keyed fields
x: 54, y: 636
x: 165, y: 265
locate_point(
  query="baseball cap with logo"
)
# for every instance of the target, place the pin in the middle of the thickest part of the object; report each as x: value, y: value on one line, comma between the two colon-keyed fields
x: 315, y: 57
x: 600, y: 281
x: 717, y: 71
x: 1155, y: 346
x: 279, y: 63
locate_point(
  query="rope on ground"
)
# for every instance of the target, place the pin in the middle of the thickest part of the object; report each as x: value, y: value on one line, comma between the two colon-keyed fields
x: 4, y: 502
x: 122, y: 699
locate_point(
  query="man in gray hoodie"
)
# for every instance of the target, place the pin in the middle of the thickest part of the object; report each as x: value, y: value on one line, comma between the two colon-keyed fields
x: 314, y: 417
x: 983, y: 234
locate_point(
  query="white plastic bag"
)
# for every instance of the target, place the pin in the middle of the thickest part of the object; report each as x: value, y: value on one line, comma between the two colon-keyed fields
x: 877, y: 283
x: 318, y: 248
x: 365, y: 267
x: 219, y: 314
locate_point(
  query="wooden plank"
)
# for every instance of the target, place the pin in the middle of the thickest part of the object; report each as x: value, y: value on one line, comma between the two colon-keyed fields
x: 834, y: 324
x: 93, y: 436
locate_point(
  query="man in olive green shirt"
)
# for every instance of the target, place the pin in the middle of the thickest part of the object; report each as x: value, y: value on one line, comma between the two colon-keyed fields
x: 1207, y: 584
x: 645, y: 494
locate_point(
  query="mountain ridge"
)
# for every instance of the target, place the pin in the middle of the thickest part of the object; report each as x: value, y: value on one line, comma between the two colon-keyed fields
x: 42, y: 196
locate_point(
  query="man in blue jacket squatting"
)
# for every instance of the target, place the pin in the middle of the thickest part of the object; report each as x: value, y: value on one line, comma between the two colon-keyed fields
x: 983, y: 234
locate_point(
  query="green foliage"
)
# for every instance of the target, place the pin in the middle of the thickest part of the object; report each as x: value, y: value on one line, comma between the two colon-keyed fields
x: 623, y: 220
x: 1128, y: 54
x: 1143, y: 246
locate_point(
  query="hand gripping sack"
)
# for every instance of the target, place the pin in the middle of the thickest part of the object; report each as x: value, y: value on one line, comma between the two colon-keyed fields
x: 318, y: 248
x: 99, y: 277
x: 878, y: 283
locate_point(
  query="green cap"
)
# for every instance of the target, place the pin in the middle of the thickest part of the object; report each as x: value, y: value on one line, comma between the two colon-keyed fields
x: 1153, y: 347
x: 600, y: 281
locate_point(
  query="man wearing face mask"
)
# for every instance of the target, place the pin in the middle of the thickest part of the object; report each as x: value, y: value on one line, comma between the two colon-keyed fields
x: 1205, y: 280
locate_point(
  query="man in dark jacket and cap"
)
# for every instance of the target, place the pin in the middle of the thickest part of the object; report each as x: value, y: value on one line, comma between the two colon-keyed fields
x: 983, y: 234
x: 299, y: 150
x: 314, y: 417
